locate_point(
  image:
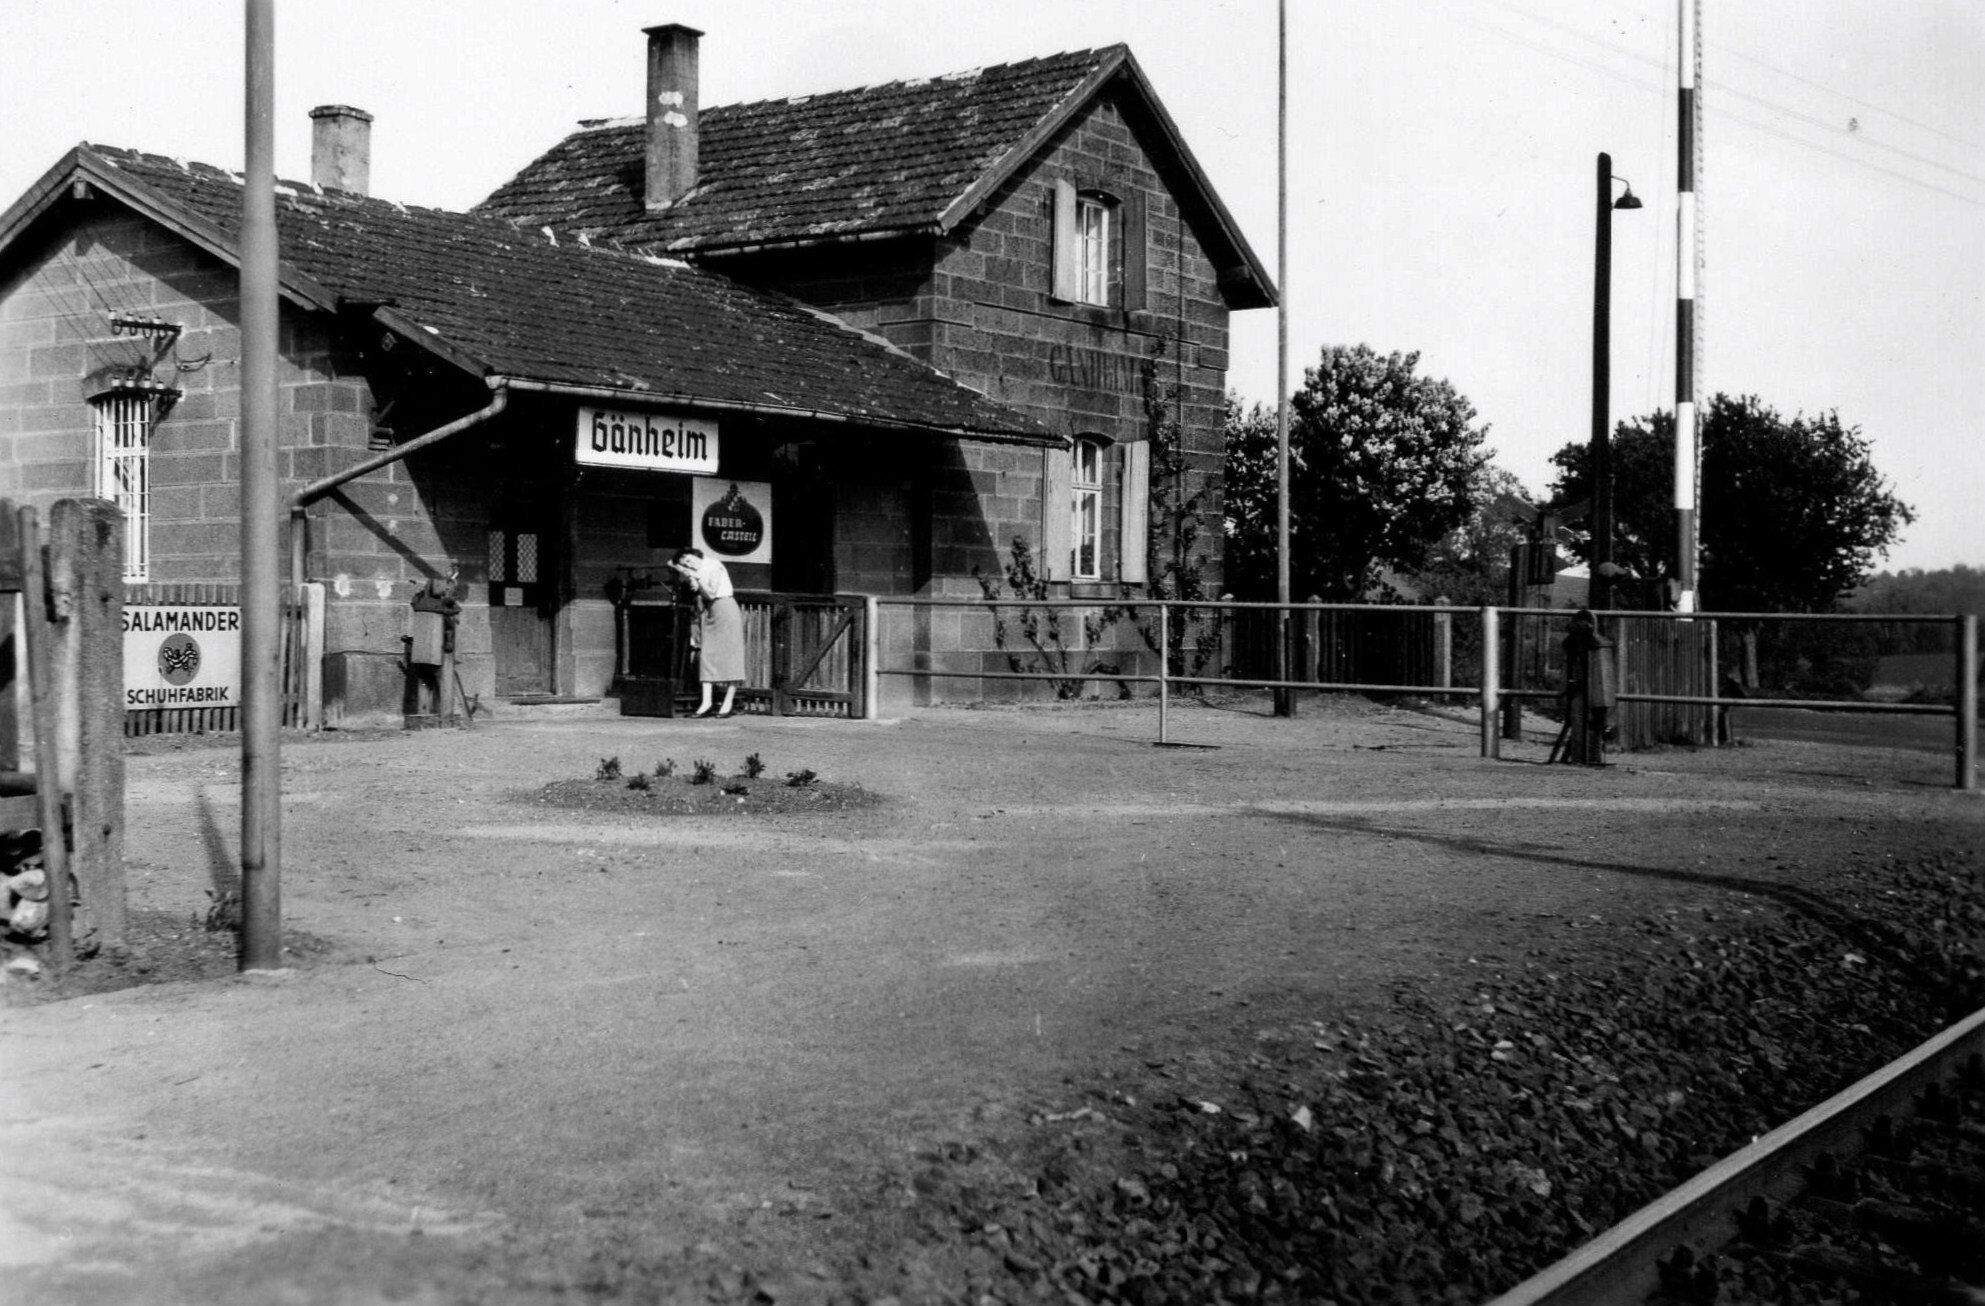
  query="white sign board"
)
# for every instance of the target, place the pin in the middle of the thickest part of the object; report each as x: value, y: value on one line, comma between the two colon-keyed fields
x: 732, y: 520
x: 648, y: 442
x: 181, y: 655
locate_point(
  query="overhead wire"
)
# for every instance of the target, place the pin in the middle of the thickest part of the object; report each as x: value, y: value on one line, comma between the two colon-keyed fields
x: 1725, y: 88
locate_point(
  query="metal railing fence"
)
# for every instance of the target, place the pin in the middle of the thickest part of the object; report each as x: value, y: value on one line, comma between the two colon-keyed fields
x: 1469, y: 646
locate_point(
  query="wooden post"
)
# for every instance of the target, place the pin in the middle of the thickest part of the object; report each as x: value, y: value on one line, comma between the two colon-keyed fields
x: 86, y: 561
x: 1164, y: 669
x: 1967, y: 702
x: 313, y: 656
x: 1492, y: 744
x: 871, y: 658
x: 781, y: 622
x: 13, y: 576
x: 39, y: 645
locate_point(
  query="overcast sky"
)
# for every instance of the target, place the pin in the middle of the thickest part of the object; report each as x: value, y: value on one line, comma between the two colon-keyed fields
x: 1441, y: 167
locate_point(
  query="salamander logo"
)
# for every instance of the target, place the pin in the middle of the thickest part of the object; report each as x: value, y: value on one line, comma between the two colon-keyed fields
x: 179, y: 659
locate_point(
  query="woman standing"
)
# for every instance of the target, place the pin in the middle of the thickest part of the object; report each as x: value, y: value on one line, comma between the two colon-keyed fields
x: 719, y: 626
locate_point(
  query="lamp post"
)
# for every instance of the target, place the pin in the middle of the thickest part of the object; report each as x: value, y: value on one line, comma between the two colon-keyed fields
x: 1600, y: 592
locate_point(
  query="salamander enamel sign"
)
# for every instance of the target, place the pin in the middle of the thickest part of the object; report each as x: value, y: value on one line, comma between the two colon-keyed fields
x: 181, y: 656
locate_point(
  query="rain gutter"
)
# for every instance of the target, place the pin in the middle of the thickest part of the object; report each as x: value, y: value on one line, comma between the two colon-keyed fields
x: 316, y: 490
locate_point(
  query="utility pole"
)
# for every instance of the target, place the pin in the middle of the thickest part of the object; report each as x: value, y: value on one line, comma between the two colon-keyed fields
x: 1599, y: 593
x: 1687, y: 256
x: 261, y: 611
x: 1285, y: 698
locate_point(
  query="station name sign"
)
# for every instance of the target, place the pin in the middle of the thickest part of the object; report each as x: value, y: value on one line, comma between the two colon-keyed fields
x: 649, y: 442
x: 181, y: 656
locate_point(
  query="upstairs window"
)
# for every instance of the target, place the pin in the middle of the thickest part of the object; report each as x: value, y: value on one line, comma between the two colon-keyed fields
x: 1099, y: 250
x: 1092, y: 250
x: 123, y: 474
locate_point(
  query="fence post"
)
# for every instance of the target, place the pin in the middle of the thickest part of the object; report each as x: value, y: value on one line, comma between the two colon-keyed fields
x: 1444, y: 645
x: 1491, y: 682
x: 1164, y: 668
x: 1967, y: 702
x: 871, y: 658
x: 313, y: 655
x: 86, y: 548
x: 16, y: 540
x: 37, y: 639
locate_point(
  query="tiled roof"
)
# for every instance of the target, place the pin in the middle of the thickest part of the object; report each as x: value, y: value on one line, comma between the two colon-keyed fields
x: 525, y: 306
x: 880, y: 158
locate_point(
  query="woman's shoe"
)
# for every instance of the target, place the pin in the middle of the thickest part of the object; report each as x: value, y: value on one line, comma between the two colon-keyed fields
x: 701, y: 712
x: 726, y: 714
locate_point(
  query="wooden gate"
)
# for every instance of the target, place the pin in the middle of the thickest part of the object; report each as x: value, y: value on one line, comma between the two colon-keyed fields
x: 803, y: 653
x: 802, y: 656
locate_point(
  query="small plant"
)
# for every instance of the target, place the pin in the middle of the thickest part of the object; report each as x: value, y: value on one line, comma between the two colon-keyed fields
x: 665, y: 768
x: 640, y: 782
x: 609, y: 770
x: 754, y: 766
x: 739, y: 790
x: 223, y: 912
x: 800, y: 779
x: 703, y: 773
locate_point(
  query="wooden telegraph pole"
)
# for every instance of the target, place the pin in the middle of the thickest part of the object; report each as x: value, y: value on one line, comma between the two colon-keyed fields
x: 1285, y: 698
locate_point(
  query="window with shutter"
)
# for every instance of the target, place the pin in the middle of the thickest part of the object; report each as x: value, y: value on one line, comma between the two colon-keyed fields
x: 1086, y: 511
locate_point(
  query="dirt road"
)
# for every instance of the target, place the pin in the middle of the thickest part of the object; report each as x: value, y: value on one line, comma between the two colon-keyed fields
x: 549, y: 1040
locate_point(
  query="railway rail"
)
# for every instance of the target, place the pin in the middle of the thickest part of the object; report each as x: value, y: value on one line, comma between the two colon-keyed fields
x: 1877, y: 1194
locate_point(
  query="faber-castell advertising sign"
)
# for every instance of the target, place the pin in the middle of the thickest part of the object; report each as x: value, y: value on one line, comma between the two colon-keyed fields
x: 181, y: 656
x: 648, y: 442
x: 732, y: 519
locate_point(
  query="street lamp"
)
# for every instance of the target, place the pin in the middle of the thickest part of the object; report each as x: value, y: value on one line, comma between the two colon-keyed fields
x: 1600, y: 592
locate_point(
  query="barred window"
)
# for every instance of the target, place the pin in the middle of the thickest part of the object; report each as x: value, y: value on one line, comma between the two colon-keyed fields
x: 123, y: 470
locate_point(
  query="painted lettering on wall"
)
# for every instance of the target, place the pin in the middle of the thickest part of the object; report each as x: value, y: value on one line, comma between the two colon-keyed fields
x: 1096, y: 369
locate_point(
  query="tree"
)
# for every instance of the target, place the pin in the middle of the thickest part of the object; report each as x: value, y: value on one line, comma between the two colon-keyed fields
x: 1469, y: 566
x: 1382, y: 465
x: 1793, y: 512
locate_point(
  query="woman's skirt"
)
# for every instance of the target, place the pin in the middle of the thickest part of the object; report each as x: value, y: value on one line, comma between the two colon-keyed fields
x: 721, y: 626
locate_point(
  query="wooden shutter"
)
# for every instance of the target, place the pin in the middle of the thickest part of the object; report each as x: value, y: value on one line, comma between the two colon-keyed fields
x: 1136, y: 254
x: 1135, y: 514
x: 1066, y: 259
x: 1057, y: 505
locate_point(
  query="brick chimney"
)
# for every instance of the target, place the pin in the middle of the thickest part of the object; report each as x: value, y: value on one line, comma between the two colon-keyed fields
x: 671, y: 114
x: 341, y: 148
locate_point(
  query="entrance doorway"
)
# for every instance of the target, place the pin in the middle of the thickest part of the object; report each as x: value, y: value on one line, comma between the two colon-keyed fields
x: 520, y: 606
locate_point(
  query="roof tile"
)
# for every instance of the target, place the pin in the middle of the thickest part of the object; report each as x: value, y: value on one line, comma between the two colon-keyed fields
x: 565, y: 313
x: 878, y: 158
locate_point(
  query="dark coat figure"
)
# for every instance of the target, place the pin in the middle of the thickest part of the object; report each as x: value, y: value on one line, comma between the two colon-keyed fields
x: 1591, y: 689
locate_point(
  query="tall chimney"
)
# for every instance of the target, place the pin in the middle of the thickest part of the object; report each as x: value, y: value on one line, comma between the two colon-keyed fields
x: 671, y: 114
x: 341, y: 148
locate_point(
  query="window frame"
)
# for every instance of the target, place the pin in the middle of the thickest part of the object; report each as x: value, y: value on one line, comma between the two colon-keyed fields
x: 1092, y: 248
x: 1089, y: 457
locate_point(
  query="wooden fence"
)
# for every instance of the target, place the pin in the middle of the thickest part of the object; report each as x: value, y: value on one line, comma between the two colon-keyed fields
x: 61, y: 625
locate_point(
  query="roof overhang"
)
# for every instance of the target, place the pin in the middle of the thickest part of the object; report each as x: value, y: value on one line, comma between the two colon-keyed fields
x: 81, y: 166
x: 678, y: 402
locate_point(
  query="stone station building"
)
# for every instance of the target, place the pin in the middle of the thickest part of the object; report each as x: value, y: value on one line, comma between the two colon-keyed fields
x: 884, y: 333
